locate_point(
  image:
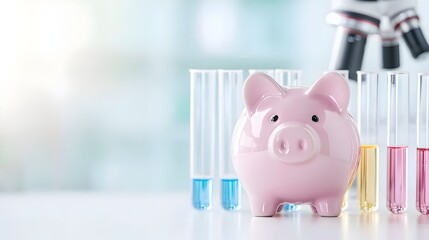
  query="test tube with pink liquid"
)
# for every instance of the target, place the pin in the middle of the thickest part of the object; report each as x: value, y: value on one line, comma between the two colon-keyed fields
x: 397, y: 140
x: 422, y: 190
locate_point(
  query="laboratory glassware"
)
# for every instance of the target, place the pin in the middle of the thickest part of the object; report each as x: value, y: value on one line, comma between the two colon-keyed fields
x: 345, y: 75
x: 202, y: 136
x: 269, y: 72
x: 288, y: 77
x: 230, y: 107
x: 422, y: 184
x: 367, y: 177
x: 397, y: 140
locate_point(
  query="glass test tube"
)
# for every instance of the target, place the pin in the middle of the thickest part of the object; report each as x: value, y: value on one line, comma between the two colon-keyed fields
x: 230, y: 107
x: 345, y: 74
x: 202, y: 138
x: 422, y: 190
x: 397, y: 140
x: 286, y: 77
x: 367, y: 183
x: 269, y: 72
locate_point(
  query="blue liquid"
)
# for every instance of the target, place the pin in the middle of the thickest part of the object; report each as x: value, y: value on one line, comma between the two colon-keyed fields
x: 230, y: 194
x: 202, y: 194
x: 290, y: 207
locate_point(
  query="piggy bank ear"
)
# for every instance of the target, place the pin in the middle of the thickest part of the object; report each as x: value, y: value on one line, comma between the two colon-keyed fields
x: 334, y: 87
x: 256, y: 88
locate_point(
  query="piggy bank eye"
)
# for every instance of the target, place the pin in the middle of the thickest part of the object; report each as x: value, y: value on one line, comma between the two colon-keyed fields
x: 315, y: 118
x: 274, y: 118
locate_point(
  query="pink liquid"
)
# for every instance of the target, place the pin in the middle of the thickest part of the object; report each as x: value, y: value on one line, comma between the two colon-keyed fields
x: 422, y: 200
x: 397, y: 178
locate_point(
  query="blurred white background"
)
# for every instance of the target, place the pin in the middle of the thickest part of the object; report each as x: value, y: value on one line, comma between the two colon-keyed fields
x: 94, y: 94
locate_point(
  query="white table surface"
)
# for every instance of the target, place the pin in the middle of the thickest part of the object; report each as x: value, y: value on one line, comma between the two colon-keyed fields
x: 76, y: 215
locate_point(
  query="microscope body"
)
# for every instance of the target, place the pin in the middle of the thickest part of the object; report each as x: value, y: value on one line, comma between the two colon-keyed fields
x: 390, y: 19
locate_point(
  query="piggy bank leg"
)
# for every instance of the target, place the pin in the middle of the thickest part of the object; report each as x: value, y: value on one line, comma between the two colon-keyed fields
x: 330, y: 207
x: 314, y: 209
x: 264, y: 207
x: 279, y: 208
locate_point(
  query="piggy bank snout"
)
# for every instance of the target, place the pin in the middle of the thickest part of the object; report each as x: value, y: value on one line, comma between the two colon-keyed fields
x: 294, y: 143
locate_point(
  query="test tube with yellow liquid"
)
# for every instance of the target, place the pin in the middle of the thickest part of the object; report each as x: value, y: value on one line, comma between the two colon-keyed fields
x: 368, y: 124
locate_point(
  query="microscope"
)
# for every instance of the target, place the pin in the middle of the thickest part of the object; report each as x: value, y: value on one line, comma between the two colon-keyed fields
x: 356, y: 19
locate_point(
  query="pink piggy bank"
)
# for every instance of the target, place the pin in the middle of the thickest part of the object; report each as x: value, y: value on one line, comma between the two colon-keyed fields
x: 296, y: 145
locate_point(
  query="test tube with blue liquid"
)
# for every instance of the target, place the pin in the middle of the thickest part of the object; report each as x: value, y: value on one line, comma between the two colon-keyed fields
x: 230, y: 107
x: 288, y: 78
x: 202, y: 136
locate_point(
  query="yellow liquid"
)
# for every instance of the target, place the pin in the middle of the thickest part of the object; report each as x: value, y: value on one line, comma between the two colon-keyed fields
x: 368, y: 178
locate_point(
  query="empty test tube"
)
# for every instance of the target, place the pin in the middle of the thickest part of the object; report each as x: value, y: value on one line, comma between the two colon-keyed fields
x: 422, y: 184
x: 288, y: 78
x: 230, y: 107
x: 345, y: 75
x: 202, y: 138
x: 367, y: 178
x: 269, y: 72
x: 397, y: 140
